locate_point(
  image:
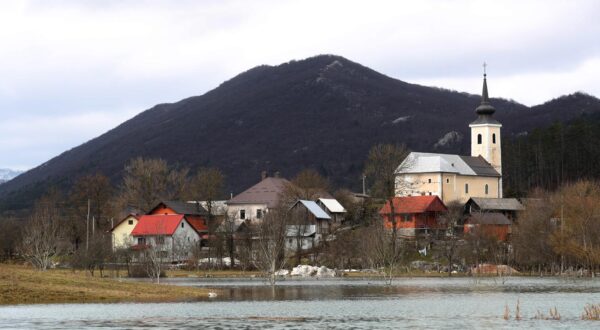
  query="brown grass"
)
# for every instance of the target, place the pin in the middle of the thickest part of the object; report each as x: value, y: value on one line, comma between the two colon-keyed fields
x: 25, y: 285
x: 591, y: 313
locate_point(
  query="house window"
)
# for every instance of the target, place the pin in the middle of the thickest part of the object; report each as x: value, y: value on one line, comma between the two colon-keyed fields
x: 130, y: 222
x: 487, y: 189
x: 242, y: 214
x: 160, y: 240
x: 258, y: 213
x: 447, y: 180
x: 466, y: 188
x: 494, y: 138
x: 182, y: 223
x: 430, y: 193
x: 478, y: 138
x: 405, y: 217
x: 141, y: 241
x: 429, y: 180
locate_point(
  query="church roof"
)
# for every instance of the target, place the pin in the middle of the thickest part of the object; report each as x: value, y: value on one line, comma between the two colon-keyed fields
x: 423, y: 162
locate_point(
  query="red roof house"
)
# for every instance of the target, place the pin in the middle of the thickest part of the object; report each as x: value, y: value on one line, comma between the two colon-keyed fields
x: 194, y: 213
x: 413, y: 214
x: 157, y: 225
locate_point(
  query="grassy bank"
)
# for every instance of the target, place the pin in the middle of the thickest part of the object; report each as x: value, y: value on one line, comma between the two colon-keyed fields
x: 25, y: 285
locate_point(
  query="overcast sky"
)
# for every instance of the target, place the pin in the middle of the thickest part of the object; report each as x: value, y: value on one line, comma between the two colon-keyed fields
x: 71, y: 70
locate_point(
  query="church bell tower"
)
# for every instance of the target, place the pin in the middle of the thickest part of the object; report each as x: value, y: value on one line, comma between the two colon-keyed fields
x: 485, y: 131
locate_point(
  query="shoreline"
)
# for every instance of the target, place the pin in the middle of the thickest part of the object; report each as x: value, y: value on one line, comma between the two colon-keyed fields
x: 23, y: 285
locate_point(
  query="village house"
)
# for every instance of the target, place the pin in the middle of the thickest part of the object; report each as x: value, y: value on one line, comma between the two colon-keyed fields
x: 194, y: 213
x: 509, y: 207
x: 121, y: 232
x: 334, y: 209
x: 414, y: 215
x: 455, y: 177
x: 253, y: 203
x: 491, y: 225
x: 309, y: 223
x: 171, y: 235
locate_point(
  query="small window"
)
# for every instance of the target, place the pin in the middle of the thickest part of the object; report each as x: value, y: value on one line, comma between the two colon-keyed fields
x: 486, y: 189
x: 258, y: 213
x: 478, y: 138
x: 242, y: 214
x: 160, y: 240
x: 141, y: 241
x: 430, y: 193
x: 130, y: 222
x: 466, y: 188
x: 182, y: 223
x: 405, y: 217
x: 447, y: 180
x: 429, y: 180
x: 494, y: 138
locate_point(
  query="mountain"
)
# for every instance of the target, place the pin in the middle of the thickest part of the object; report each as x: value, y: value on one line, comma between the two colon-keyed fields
x: 8, y: 174
x: 324, y: 112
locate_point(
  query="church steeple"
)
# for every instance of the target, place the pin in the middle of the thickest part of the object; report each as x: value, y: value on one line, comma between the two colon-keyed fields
x: 485, y: 133
x: 485, y: 108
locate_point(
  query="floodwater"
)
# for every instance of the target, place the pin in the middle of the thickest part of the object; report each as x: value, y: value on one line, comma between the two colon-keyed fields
x: 336, y: 304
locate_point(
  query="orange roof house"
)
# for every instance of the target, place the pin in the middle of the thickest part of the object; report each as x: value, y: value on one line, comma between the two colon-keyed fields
x: 194, y: 213
x: 413, y: 214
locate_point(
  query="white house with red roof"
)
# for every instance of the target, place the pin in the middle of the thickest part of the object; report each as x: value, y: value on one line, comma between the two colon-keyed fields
x: 171, y: 234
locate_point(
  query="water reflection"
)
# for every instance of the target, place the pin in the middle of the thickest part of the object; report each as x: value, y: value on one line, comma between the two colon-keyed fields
x: 336, y: 304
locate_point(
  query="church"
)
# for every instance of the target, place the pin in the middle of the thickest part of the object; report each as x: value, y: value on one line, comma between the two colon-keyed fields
x: 456, y: 177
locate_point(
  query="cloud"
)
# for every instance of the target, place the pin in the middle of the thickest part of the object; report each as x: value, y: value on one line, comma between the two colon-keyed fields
x: 69, y: 59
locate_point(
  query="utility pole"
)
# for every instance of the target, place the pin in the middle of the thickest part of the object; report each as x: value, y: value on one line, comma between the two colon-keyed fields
x: 93, y: 227
x: 363, y: 184
x: 87, y: 228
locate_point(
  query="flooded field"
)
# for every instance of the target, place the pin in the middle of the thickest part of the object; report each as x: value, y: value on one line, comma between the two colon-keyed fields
x: 335, y: 303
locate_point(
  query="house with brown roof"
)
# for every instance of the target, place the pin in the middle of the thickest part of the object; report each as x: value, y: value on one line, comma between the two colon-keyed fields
x: 254, y: 202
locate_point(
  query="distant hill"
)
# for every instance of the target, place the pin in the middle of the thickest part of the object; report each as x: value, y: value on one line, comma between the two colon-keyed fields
x: 324, y: 112
x: 8, y: 174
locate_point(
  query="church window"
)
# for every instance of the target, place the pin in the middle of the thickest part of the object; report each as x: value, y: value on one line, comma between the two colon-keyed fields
x: 466, y: 188
x: 478, y: 138
x: 494, y: 138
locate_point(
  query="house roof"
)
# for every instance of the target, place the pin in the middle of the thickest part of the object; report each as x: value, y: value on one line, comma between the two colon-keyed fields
x: 414, y: 204
x: 489, y: 218
x: 197, y: 224
x: 423, y: 162
x: 153, y: 225
x: 505, y: 204
x: 267, y: 191
x: 129, y: 216
x: 189, y: 208
x: 332, y: 205
x: 313, y: 208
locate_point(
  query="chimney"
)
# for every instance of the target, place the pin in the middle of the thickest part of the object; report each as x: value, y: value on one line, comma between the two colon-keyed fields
x: 264, y: 175
x: 277, y: 174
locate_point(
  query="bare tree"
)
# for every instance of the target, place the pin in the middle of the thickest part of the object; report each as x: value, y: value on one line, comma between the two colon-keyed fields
x: 154, y: 257
x: 382, y: 163
x: 271, y: 233
x: 207, y: 186
x: 42, y: 238
x: 148, y: 181
x: 447, y: 237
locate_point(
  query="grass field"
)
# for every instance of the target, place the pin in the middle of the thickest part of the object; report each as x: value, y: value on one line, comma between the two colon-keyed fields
x: 25, y: 285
